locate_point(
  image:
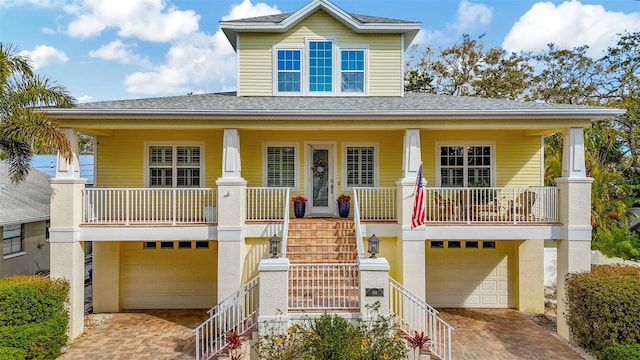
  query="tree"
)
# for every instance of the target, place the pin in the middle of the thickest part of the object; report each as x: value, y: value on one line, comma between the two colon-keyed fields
x: 24, y: 129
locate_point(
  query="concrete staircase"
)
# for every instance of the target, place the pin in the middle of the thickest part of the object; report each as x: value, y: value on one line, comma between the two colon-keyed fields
x: 322, y: 241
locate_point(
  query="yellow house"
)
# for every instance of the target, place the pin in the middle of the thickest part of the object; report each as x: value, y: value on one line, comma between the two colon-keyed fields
x: 180, y: 214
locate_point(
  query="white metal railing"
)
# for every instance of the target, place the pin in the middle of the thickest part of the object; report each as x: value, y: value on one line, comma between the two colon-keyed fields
x: 285, y: 226
x: 320, y: 287
x: 264, y: 204
x: 127, y: 206
x: 514, y: 205
x: 236, y: 313
x: 377, y: 203
x: 356, y: 222
x: 412, y: 314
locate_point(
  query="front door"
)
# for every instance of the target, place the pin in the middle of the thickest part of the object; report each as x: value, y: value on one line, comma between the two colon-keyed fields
x: 322, y: 179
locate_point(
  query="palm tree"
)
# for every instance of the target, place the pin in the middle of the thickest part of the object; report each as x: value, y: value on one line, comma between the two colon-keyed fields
x: 24, y: 128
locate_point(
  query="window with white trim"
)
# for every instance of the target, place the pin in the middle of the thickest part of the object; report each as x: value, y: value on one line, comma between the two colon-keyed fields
x: 174, y: 166
x: 12, y: 239
x: 466, y: 165
x: 280, y: 165
x: 360, y: 162
x: 320, y: 67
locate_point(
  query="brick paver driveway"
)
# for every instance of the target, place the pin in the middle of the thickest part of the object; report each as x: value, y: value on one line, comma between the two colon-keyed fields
x: 168, y: 334
x: 502, y: 334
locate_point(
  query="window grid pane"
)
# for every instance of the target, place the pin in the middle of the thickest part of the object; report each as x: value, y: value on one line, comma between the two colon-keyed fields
x: 174, y: 166
x: 456, y: 161
x: 11, y: 239
x: 320, y: 66
x: 360, y: 166
x: 352, y: 66
x: 289, y: 67
x: 280, y: 167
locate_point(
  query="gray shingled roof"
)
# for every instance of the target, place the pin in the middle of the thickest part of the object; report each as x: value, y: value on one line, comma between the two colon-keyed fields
x: 365, y: 19
x: 25, y: 202
x: 412, y: 103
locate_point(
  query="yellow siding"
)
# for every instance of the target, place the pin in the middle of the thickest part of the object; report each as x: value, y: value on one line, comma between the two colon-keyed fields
x: 389, y: 145
x: 518, y: 158
x: 391, y: 249
x: 256, y: 249
x: 120, y: 157
x: 256, y: 64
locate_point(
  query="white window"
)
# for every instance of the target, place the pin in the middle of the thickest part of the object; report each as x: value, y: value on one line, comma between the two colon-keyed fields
x: 465, y: 165
x: 174, y: 165
x: 280, y: 166
x: 12, y: 236
x: 320, y: 68
x: 361, y: 165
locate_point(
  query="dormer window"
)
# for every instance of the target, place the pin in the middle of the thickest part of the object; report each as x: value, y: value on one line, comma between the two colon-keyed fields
x: 320, y: 68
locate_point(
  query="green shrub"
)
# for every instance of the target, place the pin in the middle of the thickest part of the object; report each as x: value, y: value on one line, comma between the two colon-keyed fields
x: 9, y: 353
x: 33, y: 316
x: 604, y: 306
x: 622, y: 352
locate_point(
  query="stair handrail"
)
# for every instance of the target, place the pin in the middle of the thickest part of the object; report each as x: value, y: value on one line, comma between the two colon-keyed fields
x: 356, y: 222
x: 413, y: 314
x: 237, y: 312
x: 285, y: 224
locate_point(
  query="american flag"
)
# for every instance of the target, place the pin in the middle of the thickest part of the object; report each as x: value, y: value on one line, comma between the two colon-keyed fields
x: 418, y: 215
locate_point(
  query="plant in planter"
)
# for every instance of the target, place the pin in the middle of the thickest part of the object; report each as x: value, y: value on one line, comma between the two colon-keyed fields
x: 344, y: 205
x: 299, y: 205
x: 483, y: 195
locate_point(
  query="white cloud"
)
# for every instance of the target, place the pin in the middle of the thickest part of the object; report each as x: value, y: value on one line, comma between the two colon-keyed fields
x: 569, y: 25
x: 197, y: 62
x: 42, y: 55
x: 48, y: 31
x: 151, y: 20
x: 472, y: 15
x: 36, y: 3
x: 85, y: 99
x: 119, y: 52
x: 427, y: 37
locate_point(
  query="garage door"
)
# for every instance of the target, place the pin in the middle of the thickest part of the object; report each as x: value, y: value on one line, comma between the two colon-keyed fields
x: 473, y: 274
x: 168, y: 275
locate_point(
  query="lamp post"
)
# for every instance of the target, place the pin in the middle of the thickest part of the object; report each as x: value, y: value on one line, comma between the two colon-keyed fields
x: 274, y: 246
x: 373, y: 246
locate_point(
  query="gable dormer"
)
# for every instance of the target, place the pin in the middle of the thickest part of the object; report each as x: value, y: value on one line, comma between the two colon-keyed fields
x: 320, y: 50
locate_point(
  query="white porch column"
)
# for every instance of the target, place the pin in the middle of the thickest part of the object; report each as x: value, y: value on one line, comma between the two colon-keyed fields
x: 374, y: 285
x: 66, y: 248
x: 231, y: 217
x: 574, y: 249
x: 273, y: 311
x: 413, y: 240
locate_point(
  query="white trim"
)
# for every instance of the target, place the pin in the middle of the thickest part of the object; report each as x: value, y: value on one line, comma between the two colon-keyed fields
x: 274, y: 72
x: 376, y: 162
x: 14, y: 255
x: 308, y: 160
x: 296, y: 150
x: 365, y: 85
x: 238, y: 90
x: 491, y: 144
x: 334, y: 54
x: 174, y: 144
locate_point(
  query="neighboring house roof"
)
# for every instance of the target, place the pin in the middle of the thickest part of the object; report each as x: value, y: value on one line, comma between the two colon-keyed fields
x: 357, y: 23
x: 48, y: 164
x: 25, y: 202
x: 411, y: 106
x: 634, y: 222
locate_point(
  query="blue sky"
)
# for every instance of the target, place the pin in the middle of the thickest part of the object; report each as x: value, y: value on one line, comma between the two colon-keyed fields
x: 122, y: 49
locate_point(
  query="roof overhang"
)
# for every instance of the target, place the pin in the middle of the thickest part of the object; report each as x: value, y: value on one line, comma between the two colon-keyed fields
x: 231, y: 28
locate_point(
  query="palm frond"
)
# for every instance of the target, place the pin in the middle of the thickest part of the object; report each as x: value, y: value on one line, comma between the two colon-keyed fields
x: 20, y: 154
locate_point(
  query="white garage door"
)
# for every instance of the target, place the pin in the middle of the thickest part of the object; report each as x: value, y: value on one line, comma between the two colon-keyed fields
x: 471, y: 274
x: 168, y: 275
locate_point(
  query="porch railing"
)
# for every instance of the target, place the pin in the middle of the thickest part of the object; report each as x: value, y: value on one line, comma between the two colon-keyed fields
x: 412, y: 314
x: 320, y: 287
x: 377, y: 203
x: 149, y: 206
x: 236, y: 313
x: 265, y: 204
x: 492, y: 205
x: 357, y: 225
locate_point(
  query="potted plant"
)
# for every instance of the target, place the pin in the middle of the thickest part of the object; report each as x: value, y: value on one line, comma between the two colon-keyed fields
x: 299, y: 205
x: 344, y: 205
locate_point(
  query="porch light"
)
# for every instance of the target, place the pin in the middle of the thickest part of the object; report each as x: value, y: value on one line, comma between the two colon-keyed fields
x: 274, y: 246
x: 373, y: 246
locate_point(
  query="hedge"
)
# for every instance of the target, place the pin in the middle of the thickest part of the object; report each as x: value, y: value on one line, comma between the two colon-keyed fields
x: 622, y: 352
x: 33, y: 317
x: 604, y: 307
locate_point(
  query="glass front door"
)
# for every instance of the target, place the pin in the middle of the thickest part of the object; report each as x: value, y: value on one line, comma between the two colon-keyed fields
x: 322, y: 180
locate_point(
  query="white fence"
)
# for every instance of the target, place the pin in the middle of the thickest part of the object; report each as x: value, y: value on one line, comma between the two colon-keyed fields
x: 377, y: 203
x: 413, y: 314
x: 492, y: 205
x: 149, y: 206
x: 266, y: 204
x: 319, y: 287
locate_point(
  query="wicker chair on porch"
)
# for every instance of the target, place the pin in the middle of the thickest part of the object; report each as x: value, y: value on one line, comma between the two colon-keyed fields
x: 447, y: 209
x: 521, y: 207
